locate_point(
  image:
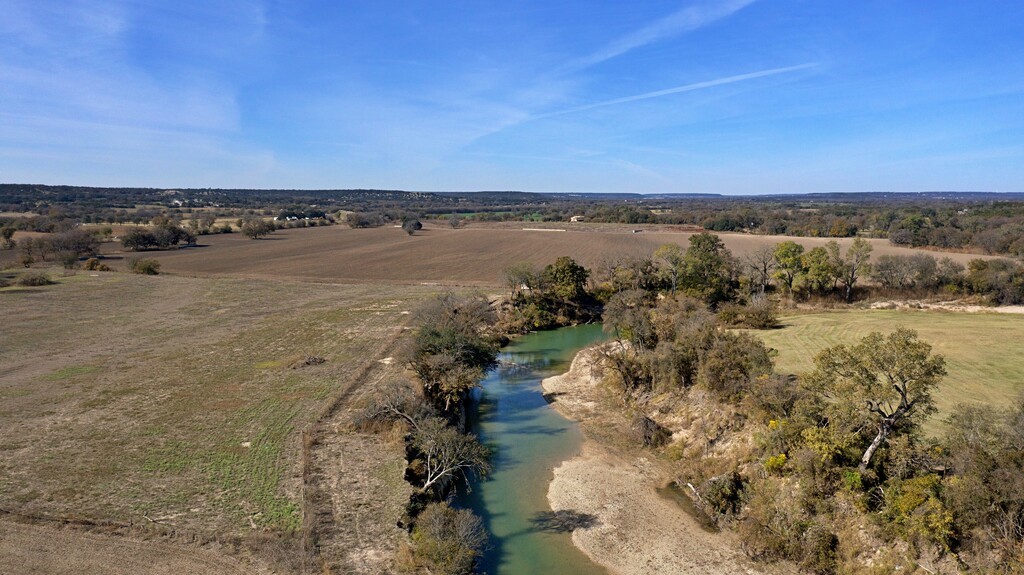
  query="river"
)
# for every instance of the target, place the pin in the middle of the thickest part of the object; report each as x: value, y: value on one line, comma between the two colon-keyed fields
x: 529, y: 439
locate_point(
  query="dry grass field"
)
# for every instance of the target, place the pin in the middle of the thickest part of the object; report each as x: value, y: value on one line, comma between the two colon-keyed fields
x: 473, y: 256
x: 179, y: 404
x: 983, y: 351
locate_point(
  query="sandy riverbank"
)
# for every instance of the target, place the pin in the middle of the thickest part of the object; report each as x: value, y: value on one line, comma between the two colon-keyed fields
x: 636, y: 531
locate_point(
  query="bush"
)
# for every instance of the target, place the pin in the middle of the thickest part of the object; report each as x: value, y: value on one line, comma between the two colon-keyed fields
x: 95, y: 265
x: 448, y: 541
x: 33, y: 279
x: 144, y: 266
x: 760, y: 313
x: 775, y: 463
x: 732, y: 363
x: 913, y: 508
x: 256, y: 228
x: 723, y: 495
x: 412, y: 226
x: 818, y: 550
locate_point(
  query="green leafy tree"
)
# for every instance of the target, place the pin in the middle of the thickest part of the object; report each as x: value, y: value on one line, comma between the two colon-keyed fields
x: 883, y: 383
x: 789, y: 263
x: 852, y: 265
x: 257, y: 228
x: 708, y: 269
x: 451, y: 350
x: 819, y: 274
x: 566, y: 278
x: 411, y: 226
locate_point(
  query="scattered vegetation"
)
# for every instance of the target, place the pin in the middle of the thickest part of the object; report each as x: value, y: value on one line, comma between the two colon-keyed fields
x: 164, y: 234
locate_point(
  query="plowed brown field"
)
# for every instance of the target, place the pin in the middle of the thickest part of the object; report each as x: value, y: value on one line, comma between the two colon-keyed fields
x: 469, y: 256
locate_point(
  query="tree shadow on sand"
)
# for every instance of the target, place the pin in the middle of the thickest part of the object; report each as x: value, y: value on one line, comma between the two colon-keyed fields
x: 563, y: 521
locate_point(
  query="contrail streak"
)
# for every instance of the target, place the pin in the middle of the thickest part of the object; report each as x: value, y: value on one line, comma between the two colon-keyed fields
x: 680, y: 89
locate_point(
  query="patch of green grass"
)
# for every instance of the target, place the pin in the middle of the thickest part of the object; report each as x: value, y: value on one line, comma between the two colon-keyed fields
x: 983, y: 351
x: 253, y: 473
x: 70, y: 372
x: 14, y: 393
x: 173, y: 457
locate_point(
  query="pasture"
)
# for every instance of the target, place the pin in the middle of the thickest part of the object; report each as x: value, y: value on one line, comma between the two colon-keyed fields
x: 179, y: 403
x: 983, y: 350
x: 473, y: 256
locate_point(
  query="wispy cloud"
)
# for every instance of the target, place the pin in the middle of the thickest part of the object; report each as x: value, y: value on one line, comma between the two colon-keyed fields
x: 685, y: 20
x: 680, y: 89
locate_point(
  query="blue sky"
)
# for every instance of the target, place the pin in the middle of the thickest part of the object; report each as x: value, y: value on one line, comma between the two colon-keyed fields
x: 724, y: 96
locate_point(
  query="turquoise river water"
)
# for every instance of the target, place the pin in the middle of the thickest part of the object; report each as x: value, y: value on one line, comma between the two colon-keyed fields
x: 529, y: 439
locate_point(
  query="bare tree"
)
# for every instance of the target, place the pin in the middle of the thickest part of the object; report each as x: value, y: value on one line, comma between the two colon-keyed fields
x: 670, y: 258
x: 761, y: 265
x: 396, y: 401
x: 446, y: 453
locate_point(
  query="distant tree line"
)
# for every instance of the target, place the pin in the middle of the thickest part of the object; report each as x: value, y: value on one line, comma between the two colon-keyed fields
x: 989, y: 223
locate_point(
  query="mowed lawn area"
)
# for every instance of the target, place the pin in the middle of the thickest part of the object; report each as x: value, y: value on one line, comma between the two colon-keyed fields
x: 178, y: 400
x: 984, y: 351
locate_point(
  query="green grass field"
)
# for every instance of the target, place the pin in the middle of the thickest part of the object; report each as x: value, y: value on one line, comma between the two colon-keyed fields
x: 984, y: 351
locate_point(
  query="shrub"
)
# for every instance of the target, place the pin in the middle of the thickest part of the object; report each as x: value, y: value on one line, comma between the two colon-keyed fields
x: 722, y: 495
x: 144, y: 266
x: 732, y: 362
x: 760, y: 313
x: 68, y: 259
x: 256, y: 228
x: 33, y: 279
x: 448, y: 541
x: 95, y: 265
x: 775, y: 463
x: 913, y: 508
x: 818, y: 550
x: 852, y: 480
x: 730, y: 313
x: 412, y: 226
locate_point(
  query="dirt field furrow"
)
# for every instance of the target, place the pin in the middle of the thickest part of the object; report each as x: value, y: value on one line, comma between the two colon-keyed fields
x: 473, y: 256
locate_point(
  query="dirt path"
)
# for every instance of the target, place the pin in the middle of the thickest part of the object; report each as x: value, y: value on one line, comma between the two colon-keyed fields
x: 354, y: 491
x: 48, y: 550
x: 638, y: 532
